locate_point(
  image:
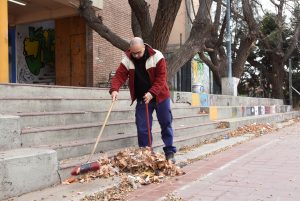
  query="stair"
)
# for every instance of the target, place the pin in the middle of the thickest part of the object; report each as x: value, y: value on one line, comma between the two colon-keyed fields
x: 65, y: 121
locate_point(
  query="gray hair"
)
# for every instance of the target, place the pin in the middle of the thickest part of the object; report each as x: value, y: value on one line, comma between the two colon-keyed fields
x: 136, y: 41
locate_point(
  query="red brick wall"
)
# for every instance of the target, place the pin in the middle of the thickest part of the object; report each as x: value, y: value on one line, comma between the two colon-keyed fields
x: 116, y: 15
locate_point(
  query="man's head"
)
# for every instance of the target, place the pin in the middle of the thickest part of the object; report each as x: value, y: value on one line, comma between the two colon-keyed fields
x: 137, y: 47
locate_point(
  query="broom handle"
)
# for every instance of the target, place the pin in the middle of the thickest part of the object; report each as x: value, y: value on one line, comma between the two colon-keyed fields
x: 148, y: 126
x: 101, y: 131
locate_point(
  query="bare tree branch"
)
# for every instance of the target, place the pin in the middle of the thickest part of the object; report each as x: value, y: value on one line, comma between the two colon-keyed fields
x: 242, y: 54
x: 247, y: 41
x: 211, y: 66
x: 261, y: 7
x: 135, y: 25
x: 196, y: 41
x: 166, y: 13
x: 193, y: 7
x: 141, y: 11
x: 294, y: 41
x: 188, y: 12
x: 234, y: 12
x: 207, y: 61
x: 88, y: 13
x: 273, y: 2
x: 222, y: 32
x: 217, y: 15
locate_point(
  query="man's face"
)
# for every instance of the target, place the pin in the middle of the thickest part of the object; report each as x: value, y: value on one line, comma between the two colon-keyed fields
x: 137, y: 51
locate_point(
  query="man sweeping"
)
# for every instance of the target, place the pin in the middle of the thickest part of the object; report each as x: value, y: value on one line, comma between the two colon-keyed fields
x: 146, y: 70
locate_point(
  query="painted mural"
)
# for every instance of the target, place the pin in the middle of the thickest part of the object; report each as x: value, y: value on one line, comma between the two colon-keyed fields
x: 36, y: 53
x: 200, y: 76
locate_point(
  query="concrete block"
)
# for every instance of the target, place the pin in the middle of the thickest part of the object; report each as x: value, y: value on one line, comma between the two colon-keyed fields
x: 26, y: 170
x: 229, y: 86
x: 9, y: 132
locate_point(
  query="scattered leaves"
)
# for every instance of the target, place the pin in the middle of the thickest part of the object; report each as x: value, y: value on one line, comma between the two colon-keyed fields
x: 172, y: 197
x: 255, y: 128
x: 114, y: 193
x: 223, y: 124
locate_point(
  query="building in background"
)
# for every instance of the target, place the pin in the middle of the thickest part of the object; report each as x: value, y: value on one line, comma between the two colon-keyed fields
x: 50, y: 44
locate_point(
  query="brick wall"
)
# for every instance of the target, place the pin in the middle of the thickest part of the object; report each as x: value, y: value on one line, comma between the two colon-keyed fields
x: 116, y: 15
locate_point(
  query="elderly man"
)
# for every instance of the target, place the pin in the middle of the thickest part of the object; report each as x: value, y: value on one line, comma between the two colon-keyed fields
x: 147, y: 72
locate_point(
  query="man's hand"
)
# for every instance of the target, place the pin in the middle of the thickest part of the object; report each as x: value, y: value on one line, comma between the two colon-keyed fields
x: 147, y: 97
x: 114, y: 95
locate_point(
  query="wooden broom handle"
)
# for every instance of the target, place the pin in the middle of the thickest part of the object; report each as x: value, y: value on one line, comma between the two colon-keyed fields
x: 101, y: 131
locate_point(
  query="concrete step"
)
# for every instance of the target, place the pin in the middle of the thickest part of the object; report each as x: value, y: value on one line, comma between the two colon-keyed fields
x: 50, y: 104
x: 40, y: 119
x: 227, y: 100
x: 41, y: 104
x: 268, y: 118
x: 27, y: 170
x: 66, y: 165
x: 222, y: 112
x: 59, y: 134
x: 35, y: 91
x: 84, y: 146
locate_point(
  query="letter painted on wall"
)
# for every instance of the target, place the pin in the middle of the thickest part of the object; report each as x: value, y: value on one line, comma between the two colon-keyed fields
x: 36, y: 53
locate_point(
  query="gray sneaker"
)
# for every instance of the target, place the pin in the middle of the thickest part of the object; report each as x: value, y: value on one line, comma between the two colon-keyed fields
x: 170, y: 156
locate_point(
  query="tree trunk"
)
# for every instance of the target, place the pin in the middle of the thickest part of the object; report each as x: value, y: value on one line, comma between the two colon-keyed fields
x: 195, y: 43
x: 163, y: 24
x: 278, y: 76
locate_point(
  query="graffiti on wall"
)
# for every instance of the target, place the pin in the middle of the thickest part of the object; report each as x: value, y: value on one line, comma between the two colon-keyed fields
x: 39, y: 49
x: 200, y: 76
x: 36, y: 53
x: 182, y: 97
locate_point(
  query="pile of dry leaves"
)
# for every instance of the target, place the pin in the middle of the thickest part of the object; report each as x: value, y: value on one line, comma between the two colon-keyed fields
x: 255, y: 128
x: 142, y: 165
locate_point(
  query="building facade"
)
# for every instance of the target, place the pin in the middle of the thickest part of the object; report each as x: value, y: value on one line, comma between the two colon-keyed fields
x: 47, y: 42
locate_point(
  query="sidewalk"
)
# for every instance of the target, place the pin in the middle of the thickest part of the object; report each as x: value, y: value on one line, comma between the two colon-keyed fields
x: 266, y: 168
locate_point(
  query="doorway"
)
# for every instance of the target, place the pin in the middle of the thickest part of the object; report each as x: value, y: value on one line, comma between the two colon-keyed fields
x: 70, y: 51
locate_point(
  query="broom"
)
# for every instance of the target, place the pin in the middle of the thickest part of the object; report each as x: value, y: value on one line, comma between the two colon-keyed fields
x: 92, y: 166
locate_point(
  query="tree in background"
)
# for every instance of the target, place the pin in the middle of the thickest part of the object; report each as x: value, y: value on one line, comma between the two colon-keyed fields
x: 157, y: 33
x: 279, y: 41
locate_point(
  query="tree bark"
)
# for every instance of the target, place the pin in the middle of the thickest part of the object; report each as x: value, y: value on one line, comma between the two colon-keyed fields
x: 141, y: 11
x: 135, y: 25
x: 278, y: 76
x: 163, y: 24
x: 88, y: 13
x: 196, y: 41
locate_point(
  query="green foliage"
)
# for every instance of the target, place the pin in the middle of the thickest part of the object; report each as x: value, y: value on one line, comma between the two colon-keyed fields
x: 268, y: 24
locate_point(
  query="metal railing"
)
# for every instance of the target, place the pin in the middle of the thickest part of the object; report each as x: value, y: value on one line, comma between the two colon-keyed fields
x: 296, y: 90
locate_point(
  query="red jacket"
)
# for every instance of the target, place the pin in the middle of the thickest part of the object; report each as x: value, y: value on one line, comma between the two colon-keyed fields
x: 156, y: 68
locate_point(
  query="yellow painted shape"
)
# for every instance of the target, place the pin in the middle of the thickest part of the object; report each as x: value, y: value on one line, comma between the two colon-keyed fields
x: 195, y: 99
x: 4, y: 68
x: 213, y: 113
x: 31, y: 47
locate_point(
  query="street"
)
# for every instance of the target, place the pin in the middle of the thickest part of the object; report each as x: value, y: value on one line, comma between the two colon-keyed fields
x: 266, y: 168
